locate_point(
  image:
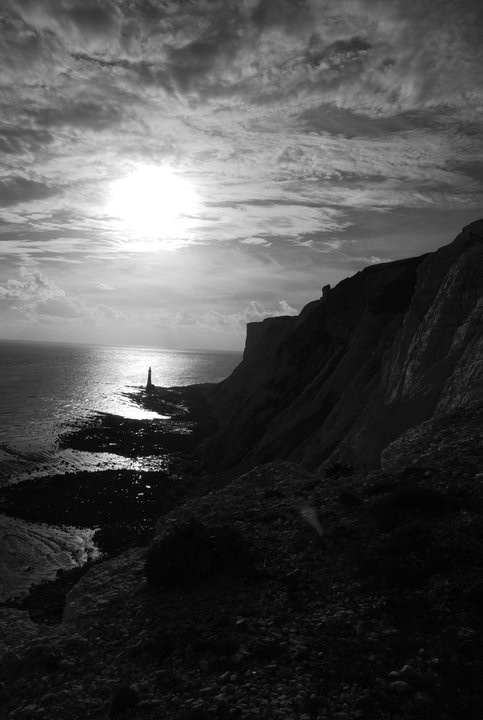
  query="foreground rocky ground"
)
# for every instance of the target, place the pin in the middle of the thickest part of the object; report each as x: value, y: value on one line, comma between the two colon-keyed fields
x: 363, y: 598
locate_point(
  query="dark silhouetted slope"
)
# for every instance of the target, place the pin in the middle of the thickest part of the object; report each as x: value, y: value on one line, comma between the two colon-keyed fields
x: 386, y: 349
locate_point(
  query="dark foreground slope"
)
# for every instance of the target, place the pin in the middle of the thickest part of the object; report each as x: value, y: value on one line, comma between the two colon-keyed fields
x: 365, y: 600
x: 387, y: 349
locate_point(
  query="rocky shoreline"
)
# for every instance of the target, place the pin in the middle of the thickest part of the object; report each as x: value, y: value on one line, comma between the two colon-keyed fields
x: 122, y: 505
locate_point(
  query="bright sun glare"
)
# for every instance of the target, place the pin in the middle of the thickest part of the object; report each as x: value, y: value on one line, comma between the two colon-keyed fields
x: 154, y: 202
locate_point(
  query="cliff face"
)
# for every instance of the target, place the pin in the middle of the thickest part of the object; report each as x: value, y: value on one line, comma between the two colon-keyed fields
x: 387, y: 349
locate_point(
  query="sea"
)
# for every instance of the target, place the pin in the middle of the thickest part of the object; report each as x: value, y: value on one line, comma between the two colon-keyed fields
x: 46, y: 388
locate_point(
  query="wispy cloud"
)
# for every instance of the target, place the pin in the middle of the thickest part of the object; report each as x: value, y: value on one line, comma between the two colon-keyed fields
x: 16, y: 189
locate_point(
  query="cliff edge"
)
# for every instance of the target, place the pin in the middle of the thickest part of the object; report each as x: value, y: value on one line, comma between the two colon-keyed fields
x: 383, y: 351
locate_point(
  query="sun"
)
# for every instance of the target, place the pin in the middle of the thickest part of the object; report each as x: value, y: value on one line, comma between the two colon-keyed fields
x: 154, y: 202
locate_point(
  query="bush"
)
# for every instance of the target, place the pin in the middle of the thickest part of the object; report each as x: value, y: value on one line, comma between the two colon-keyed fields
x: 407, y: 557
x: 190, y: 553
x: 408, y: 501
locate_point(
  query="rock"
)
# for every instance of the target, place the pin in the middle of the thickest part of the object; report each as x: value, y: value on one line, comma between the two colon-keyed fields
x: 29, y: 711
x: 407, y: 673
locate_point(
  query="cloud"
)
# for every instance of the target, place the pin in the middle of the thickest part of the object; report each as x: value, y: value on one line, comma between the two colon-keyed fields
x: 291, y: 15
x: 89, y: 113
x: 55, y: 308
x: 146, y: 72
x: 31, y: 285
x: 365, y: 261
x: 271, y: 220
x: 17, y: 189
x: 255, y: 241
x: 14, y: 139
x: 74, y: 311
x: 360, y: 54
x: 338, y: 55
x: 391, y: 170
x: 328, y: 118
x: 214, y: 321
x: 105, y: 287
x: 86, y: 22
x: 427, y: 54
x: 34, y: 298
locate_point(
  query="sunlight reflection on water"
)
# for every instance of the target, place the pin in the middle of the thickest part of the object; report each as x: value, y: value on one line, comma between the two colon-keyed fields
x: 44, y: 387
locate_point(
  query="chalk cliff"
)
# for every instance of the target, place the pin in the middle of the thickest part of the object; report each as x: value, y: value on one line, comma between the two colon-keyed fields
x: 383, y: 351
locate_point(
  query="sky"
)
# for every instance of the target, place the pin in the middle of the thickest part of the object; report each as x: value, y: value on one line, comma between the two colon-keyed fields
x: 173, y: 170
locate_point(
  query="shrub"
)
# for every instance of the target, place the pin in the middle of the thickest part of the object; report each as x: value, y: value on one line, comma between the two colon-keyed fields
x: 190, y: 553
x: 407, y: 557
x: 407, y: 501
